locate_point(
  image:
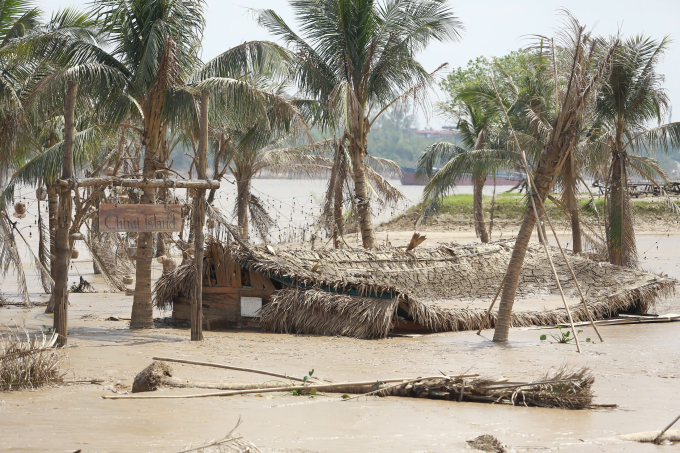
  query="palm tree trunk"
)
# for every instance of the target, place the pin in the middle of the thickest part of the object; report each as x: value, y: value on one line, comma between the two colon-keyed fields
x: 61, y: 243
x: 142, y: 310
x: 480, y: 225
x: 338, y: 220
x: 543, y: 181
x: 361, y: 192
x: 571, y: 200
x: 243, y: 195
x: 160, y: 239
x: 52, y: 207
x: 620, y: 229
x: 576, y: 229
x: 519, y: 251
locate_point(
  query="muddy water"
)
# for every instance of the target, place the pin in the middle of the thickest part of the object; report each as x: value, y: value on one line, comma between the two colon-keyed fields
x: 637, y: 367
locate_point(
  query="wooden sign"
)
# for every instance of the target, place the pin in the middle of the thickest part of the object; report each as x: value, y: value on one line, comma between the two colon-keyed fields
x: 140, y: 218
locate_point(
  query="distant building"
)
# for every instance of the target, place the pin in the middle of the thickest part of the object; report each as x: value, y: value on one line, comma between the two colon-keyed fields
x: 436, y: 134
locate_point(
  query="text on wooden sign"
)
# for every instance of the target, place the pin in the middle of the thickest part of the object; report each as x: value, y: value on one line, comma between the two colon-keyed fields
x: 140, y: 218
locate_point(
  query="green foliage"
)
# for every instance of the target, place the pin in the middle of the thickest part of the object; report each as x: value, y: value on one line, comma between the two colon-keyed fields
x: 563, y: 336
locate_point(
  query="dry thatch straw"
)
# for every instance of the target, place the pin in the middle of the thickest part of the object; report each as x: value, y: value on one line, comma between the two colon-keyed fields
x: 563, y: 389
x: 362, y: 293
x: 28, y: 362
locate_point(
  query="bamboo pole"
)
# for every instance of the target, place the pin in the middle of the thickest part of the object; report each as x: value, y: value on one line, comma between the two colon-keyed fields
x: 61, y: 242
x: 199, y: 221
x: 142, y: 183
x: 538, y: 219
x: 226, y: 367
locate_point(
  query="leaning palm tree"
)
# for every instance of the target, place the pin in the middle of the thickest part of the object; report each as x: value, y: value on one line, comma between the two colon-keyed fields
x: 357, y: 58
x: 632, y: 99
x: 579, y: 63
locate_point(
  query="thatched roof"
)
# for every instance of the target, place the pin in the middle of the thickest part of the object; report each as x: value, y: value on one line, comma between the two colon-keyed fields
x: 360, y: 293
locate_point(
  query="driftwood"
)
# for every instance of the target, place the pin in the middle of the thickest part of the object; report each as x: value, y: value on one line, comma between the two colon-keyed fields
x: 159, y: 374
x: 651, y: 436
x: 657, y: 440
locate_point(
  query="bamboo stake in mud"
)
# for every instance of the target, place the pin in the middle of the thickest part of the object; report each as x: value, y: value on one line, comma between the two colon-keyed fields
x: 64, y: 211
x: 573, y: 275
x: 199, y: 222
x: 538, y: 219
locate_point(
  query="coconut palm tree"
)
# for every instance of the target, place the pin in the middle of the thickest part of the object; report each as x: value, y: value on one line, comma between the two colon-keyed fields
x: 578, y: 64
x: 484, y: 153
x: 632, y: 99
x: 150, y: 79
x: 357, y: 58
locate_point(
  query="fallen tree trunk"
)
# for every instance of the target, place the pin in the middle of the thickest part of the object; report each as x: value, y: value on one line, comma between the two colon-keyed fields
x: 563, y: 389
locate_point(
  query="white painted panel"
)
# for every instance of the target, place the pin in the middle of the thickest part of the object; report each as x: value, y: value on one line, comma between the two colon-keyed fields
x: 250, y: 306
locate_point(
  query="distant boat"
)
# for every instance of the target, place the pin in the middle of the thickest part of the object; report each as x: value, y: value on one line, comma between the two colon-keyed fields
x: 408, y: 178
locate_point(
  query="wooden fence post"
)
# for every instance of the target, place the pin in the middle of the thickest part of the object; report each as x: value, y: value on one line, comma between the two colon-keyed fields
x: 61, y: 246
x: 199, y: 221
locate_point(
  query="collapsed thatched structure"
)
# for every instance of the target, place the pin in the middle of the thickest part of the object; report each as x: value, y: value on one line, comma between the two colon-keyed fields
x: 367, y: 293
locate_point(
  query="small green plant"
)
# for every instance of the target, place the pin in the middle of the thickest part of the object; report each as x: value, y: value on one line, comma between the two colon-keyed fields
x: 312, y: 392
x: 562, y: 337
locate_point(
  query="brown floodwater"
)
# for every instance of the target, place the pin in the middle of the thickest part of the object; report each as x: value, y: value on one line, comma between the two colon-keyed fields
x: 637, y: 367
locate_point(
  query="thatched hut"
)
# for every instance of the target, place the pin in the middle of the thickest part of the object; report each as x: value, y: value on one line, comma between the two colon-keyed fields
x: 368, y: 293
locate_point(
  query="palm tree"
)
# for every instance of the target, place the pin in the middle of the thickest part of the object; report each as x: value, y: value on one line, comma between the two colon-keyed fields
x: 578, y: 63
x: 484, y: 154
x: 631, y: 100
x: 149, y: 81
x: 357, y: 58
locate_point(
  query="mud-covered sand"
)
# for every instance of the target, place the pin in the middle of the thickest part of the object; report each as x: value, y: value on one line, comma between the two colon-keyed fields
x: 637, y: 367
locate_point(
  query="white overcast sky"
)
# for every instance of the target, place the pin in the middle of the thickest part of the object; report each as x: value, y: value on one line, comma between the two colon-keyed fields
x: 492, y: 27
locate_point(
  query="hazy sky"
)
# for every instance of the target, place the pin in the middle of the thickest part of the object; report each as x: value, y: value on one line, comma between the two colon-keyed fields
x: 492, y: 27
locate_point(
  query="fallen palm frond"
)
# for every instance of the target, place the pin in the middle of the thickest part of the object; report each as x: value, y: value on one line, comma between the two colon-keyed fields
x: 9, y: 257
x: 28, y: 362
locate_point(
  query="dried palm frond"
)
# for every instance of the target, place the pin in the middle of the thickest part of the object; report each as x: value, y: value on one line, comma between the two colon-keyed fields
x: 44, y: 252
x: 9, y: 257
x: 28, y: 361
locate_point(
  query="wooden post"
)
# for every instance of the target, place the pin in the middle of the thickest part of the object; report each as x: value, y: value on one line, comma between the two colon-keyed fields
x: 199, y: 221
x: 61, y: 246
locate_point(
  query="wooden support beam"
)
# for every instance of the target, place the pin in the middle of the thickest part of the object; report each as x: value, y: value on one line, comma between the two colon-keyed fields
x: 199, y: 221
x: 142, y: 183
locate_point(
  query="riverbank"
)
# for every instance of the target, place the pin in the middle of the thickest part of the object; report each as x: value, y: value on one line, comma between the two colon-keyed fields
x: 456, y: 214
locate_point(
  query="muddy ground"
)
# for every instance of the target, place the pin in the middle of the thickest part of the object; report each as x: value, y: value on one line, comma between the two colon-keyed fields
x: 637, y: 367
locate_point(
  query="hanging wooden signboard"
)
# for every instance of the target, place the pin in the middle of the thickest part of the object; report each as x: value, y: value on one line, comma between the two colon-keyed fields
x: 140, y: 218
